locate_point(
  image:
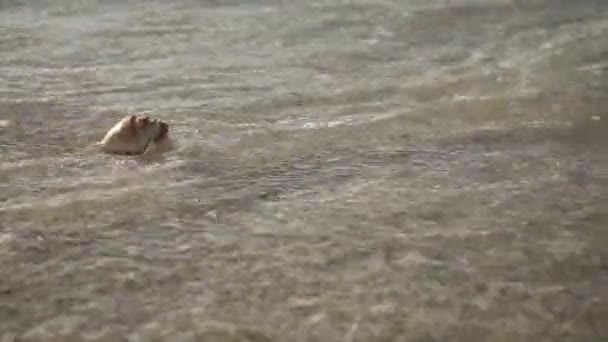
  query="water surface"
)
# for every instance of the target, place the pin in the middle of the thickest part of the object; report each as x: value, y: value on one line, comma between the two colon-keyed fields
x: 345, y: 171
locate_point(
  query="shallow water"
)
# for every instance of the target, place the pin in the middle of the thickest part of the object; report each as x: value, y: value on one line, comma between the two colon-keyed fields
x: 345, y: 171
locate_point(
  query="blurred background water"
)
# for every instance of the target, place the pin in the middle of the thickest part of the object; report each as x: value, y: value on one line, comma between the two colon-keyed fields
x: 354, y: 170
